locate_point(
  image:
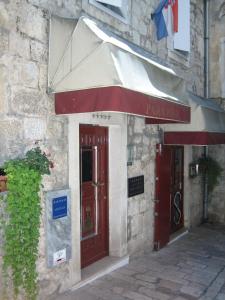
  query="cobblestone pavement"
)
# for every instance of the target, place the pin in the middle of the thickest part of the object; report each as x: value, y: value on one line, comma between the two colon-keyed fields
x: 191, y: 268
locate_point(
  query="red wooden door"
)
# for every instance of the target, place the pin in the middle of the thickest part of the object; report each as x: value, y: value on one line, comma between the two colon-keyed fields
x: 169, y: 193
x: 94, y: 193
x: 162, y: 196
x: 177, y: 218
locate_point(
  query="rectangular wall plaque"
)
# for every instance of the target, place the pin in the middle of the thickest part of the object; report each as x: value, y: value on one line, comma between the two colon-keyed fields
x: 59, y: 207
x: 58, y: 227
x: 135, y: 186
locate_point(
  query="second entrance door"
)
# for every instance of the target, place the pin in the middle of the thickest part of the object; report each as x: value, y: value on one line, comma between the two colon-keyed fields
x: 169, y: 193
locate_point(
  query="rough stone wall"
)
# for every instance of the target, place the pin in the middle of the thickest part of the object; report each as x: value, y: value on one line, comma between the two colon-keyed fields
x: 27, y: 117
x: 142, y: 140
x: 192, y: 190
x: 195, y: 193
x: 216, y: 212
x: 217, y: 91
x: 217, y: 49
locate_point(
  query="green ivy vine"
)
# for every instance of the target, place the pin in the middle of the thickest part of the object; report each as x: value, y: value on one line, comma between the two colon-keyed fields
x: 21, y: 228
x: 210, y: 167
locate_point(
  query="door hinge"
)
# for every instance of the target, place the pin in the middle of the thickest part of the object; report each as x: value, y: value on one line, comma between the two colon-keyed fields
x: 156, y: 200
x: 156, y: 246
x: 159, y: 149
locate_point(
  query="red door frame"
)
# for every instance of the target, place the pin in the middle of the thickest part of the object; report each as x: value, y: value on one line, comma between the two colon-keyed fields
x: 94, y: 194
x: 162, y: 196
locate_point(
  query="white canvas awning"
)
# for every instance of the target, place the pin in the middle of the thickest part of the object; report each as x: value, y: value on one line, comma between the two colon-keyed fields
x: 91, y: 69
x: 207, y: 126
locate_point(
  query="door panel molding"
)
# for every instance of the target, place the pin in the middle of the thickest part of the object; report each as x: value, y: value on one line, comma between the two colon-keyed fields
x: 177, y: 183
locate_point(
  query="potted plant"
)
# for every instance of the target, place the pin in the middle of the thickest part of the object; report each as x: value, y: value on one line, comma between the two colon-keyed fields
x: 3, y: 181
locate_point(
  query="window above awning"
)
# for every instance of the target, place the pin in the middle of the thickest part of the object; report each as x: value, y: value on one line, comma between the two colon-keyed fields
x: 91, y: 69
x: 207, y: 126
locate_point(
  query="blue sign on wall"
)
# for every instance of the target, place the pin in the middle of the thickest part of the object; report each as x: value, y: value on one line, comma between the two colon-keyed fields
x: 59, y: 207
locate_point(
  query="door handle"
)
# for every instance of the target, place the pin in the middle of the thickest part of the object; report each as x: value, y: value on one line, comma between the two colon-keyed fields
x: 97, y: 184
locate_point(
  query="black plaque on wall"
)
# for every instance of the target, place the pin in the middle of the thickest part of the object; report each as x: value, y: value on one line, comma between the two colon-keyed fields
x: 135, y: 186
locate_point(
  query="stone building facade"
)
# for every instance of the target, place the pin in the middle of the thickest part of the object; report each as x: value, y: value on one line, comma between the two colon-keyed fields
x: 27, y: 118
x: 217, y: 79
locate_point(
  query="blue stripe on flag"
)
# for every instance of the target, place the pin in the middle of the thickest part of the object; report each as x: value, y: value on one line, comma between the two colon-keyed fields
x: 157, y: 16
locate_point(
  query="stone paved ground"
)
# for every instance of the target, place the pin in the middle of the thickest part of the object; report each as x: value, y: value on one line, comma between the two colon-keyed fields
x: 190, y: 268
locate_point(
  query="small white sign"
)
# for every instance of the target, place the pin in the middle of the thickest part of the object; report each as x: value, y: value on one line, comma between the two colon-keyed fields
x: 59, y: 257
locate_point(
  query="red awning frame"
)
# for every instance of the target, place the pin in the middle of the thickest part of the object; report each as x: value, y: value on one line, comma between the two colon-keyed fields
x: 197, y: 138
x: 207, y: 126
x: 118, y: 99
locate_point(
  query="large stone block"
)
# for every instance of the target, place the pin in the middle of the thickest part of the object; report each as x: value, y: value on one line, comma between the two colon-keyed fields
x: 4, y: 15
x: 33, y: 23
x: 38, y: 51
x: 43, y: 76
x: 30, y: 102
x: 135, y: 228
x: 136, y: 37
x: 11, y: 130
x: 137, y: 138
x: 69, y: 8
x: 139, y: 125
x: 19, y: 45
x: 55, y: 129
x: 24, y: 74
x: 133, y: 207
x: 58, y: 154
x: 139, y: 11
x: 4, y: 41
x: 11, y: 137
x: 34, y: 128
x: 2, y: 89
x: 30, y: 74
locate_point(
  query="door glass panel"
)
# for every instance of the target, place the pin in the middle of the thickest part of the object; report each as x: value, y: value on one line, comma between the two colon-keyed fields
x: 87, y: 164
x: 89, y: 199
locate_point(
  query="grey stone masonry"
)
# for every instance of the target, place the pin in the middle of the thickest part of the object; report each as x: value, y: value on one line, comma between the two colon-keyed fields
x: 142, y: 139
x: 217, y: 199
x: 217, y: 49
x: 217, y: 91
